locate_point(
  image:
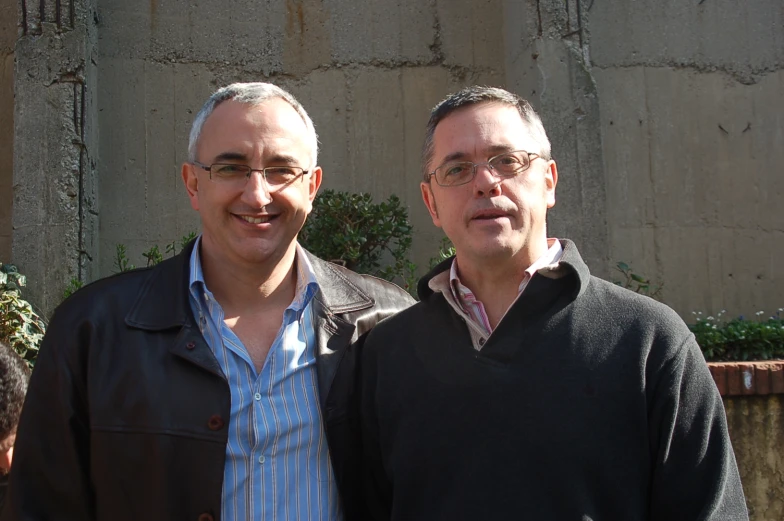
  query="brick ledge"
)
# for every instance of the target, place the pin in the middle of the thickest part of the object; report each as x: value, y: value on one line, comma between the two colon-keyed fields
x: 748, y: 378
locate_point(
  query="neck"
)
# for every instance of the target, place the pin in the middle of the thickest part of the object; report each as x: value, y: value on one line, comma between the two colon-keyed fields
x: 495, y: 281
x: 250, y: 286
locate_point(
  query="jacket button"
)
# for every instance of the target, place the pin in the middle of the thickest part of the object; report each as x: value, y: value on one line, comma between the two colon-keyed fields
x: 190, y: 345
x: 206, y: 517
x: 215, y: 423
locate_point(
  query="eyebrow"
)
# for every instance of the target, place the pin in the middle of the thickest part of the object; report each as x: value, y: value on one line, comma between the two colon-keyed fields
x: 230, y: 156
x: 493, y: 150
x: 283, y: 159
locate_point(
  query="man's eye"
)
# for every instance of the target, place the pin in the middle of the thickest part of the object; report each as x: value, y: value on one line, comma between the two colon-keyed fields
x: 455, y: 170
x: 281, y: 171
x: 230, y: 170
x: 507, y: 161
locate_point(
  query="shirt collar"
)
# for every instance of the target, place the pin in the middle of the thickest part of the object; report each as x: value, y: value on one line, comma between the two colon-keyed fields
x: 307, y: 285
x: 461, y: 292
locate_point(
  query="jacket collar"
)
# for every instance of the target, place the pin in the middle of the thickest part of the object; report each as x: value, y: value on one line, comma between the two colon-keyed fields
x: 338, y: 294
x: 162, y: 302
x: 571, y: 263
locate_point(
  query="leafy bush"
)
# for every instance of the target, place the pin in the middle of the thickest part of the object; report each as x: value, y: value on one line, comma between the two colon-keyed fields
x: 350, y: 229
x: 20, y: 326
x: 739, y: 339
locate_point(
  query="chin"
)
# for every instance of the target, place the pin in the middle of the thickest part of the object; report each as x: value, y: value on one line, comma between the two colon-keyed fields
x: 491, y: 250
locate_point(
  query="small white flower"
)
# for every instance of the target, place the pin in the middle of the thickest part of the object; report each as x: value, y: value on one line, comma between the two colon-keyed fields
x: 709, y: 318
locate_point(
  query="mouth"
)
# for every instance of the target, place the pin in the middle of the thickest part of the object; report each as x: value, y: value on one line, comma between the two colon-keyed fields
x: 489, y: 215
x: 262, y: 219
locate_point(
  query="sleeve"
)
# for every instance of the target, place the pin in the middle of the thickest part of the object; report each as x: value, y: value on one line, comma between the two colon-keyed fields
x: 377, y: 487
x: 695, y: 476
x: 50, y: 477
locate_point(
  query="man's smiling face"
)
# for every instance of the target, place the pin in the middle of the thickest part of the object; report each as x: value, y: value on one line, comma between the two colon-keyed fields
x: 252, y: 224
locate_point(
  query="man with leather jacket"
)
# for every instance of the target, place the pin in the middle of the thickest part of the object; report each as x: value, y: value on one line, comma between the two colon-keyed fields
x: 220, y: 383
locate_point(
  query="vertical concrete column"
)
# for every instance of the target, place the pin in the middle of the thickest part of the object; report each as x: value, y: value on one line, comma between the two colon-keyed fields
x: 53, y: 188
x: 9, y: 14
x: 548, y: 63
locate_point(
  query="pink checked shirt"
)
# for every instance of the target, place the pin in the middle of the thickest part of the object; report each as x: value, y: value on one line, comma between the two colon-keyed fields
x: 464, y: 302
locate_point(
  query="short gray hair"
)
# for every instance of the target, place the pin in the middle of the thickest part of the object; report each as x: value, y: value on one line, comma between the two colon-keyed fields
x: 479, y: 94
x: 252, y: 94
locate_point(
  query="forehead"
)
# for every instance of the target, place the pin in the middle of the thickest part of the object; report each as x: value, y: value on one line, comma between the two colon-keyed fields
x: 243, y: 127
x: 480, y: 129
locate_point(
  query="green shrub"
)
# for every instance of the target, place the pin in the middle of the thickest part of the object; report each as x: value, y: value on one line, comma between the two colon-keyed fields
x: 366, y: 237
x: 740, y: 339
x: 20, y: 326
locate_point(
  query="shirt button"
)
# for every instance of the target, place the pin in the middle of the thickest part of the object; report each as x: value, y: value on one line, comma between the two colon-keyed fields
x: 215, y: 423
x: 257, y: 396
x: 262, y: 459
x: 481, y: 341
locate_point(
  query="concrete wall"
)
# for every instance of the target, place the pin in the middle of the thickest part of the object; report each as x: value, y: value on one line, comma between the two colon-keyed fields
x: 665, y: 119
x: 756, y: 426
x: 692, y: 120
x: 53, y: 214
x: 8, y: 18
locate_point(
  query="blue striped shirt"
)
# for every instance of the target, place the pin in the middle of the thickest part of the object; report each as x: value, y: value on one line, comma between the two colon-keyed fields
x: 277, y: 462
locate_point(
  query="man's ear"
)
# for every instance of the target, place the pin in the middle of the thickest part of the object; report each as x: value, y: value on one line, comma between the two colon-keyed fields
x: 191, y: 184
x: 550, y: 180
x: 314, y: 183
x: 430, y: 202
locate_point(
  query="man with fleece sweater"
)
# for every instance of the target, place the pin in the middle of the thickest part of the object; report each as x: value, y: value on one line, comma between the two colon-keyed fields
x: 522, y: 387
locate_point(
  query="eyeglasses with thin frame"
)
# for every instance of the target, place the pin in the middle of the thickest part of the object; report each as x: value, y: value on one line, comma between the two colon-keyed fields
x: 508, y: 164
x: 238, y: 175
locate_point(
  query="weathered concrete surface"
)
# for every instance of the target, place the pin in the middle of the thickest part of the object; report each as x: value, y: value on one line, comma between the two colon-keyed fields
x: 8, y: 17
x: 694, y: 153
x: 52, y: 191
x: 756, y: 426
x: 744, y: 39
x: 142, y: 199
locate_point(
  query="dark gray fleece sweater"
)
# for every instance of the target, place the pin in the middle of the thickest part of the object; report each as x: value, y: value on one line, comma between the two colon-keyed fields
x: 588, y: 402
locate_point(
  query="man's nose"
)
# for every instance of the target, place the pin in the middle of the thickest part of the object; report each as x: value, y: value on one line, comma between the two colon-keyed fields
x: 257, y: 191
x: 486, y: 180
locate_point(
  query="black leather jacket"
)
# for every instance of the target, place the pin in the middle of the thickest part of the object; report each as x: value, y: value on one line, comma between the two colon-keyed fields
x: 126, y: 417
